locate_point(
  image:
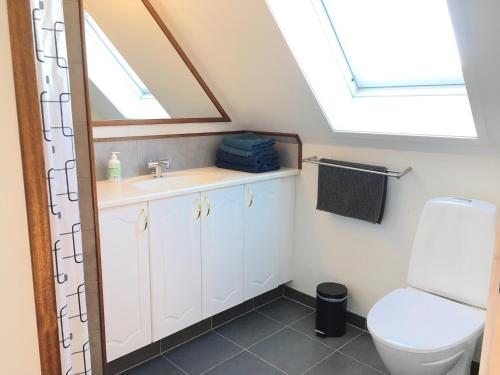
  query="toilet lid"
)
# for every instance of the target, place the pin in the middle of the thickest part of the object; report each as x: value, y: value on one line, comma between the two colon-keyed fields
x: 422, y: 322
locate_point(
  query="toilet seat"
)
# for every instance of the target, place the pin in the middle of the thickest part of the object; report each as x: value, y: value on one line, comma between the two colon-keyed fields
x: 420, y: 322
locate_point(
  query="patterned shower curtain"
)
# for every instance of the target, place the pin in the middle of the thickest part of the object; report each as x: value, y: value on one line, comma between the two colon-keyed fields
x: 60, y: 163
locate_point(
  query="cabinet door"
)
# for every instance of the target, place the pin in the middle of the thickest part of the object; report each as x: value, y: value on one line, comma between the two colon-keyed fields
x: 174, y: 238
x: 262, y: 237
x: 222, y: 249
x: 286, y: 230
x: 125, y: 278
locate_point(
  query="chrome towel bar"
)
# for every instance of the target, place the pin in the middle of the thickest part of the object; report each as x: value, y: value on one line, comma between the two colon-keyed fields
x: 396, y: 174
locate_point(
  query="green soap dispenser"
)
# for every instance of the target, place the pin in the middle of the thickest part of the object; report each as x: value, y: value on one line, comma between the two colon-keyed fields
x: 114, y: 168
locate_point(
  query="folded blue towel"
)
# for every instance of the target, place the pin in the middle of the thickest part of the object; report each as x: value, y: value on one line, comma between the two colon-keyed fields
x: 265, y: 157
x: 247, y: 142
x: 248, y: 168
x: 245, y: 153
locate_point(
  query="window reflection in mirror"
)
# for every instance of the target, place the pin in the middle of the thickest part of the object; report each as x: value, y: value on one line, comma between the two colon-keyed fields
x: 134, y: 71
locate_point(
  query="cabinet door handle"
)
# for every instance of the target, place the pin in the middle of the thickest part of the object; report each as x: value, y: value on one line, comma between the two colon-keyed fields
x: 207, y: 202
x: 250, y: 200
x: 143, y: 214
x: 198, y: 206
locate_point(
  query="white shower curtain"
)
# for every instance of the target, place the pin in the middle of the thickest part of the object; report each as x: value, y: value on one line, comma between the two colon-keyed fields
x: 60, y: 163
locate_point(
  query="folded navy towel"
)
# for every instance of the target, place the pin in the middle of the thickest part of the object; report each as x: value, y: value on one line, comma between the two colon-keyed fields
x: 247, y: 142
x: 248, y: 168
x: 352, y: 193
x: 266, y: 157
x: 245, y: 153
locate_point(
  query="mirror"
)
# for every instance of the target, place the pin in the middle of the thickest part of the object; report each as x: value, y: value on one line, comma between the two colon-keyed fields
x: 137, y: 72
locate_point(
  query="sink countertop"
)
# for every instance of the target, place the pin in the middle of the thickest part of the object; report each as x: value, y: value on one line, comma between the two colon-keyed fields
x: 146, y: 188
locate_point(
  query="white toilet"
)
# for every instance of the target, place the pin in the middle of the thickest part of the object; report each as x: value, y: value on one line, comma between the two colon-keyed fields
x: 431, y: 327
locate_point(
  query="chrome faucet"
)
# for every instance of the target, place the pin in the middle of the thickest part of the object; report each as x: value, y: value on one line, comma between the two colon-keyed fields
x: 158, y: 166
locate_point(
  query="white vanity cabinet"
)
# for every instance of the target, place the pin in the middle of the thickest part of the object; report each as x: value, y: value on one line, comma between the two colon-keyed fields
x: 269, y: 219
x: 125, y: 278
x: 196, y: 245
x: 174, y: 240
x: 171, y: 261
x: 222, y: 231
x: 262, y: 225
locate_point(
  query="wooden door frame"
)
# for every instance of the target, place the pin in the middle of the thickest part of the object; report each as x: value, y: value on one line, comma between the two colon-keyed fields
x: 35, y: 184
x: 490, y: 358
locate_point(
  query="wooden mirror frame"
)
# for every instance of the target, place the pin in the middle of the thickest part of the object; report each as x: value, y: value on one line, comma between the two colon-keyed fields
x: 224, y: 117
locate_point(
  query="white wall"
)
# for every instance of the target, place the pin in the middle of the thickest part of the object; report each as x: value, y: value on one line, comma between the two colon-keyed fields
x: 373, y: 259
x: 19, y: 344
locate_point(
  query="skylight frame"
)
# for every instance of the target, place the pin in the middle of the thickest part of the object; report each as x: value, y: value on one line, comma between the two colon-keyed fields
x: 384, y: 119
x: 383, y: 91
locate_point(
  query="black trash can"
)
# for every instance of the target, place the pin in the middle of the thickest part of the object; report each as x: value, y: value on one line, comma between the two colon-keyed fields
x: 331, y: 308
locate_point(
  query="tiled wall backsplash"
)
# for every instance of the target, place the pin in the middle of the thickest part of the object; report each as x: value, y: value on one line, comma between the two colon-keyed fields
x: 183, y: 152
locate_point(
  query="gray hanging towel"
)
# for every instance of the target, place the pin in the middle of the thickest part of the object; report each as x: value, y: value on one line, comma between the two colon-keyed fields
x: 355, y: 194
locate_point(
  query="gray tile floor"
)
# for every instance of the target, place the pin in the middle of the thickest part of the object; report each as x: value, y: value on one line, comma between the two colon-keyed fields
x: 277, y: 338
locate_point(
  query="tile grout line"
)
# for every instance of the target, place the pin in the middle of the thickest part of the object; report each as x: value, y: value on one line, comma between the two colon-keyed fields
x: 289, y: 324
x: 253, y: 354
x: 265, y: 338
x: 354, y: 326
x: 267, y: 362
x: 318, y: 363
x: 303, y: 304
x: 297, y: 331
x: 224, y: 361
x: 211, y: 330
x: 138, y: 364
x: 364, y: 364
x: 325, y: 344
x: 185, y: 342
x: 246, y: 313
x: 337, y: 350
x: 214, y: 328
x: 351, y: 340
x: 312, y: 338
x: 296, y: 301
x: 305, y: 316
x: 175, y: 365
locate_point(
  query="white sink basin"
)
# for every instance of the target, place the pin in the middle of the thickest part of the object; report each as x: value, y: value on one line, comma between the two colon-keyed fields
x: 175, y: 180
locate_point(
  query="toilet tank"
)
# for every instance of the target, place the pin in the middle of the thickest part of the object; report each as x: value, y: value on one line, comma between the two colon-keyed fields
x: 453, y: 250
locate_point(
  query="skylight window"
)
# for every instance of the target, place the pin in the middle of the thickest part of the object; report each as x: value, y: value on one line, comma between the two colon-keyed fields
x: 112, y: 75
x: 384, y: 67
x: 396, y: 43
